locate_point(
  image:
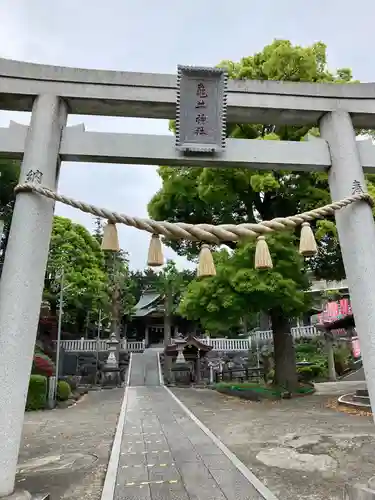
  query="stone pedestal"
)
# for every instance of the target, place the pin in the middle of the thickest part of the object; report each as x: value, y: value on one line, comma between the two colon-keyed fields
x: 111, y: 370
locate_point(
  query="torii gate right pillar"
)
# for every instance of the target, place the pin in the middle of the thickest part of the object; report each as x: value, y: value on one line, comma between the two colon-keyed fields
x: 356, y: 231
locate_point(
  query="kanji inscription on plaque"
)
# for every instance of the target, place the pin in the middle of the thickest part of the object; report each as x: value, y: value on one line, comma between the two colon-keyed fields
x: 201, y: 110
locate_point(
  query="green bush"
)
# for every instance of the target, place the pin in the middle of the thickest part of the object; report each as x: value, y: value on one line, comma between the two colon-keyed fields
x: 342, y: 359
x: 72, y: 381
x: 37, y: 393
x: 265, y: 391
x: 311, y: 372
x: 63, y: 390
x: 306, y: 348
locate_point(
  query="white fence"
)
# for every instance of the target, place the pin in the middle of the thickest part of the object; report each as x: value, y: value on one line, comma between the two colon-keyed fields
x: 217, y: 344
x: 261, y: 336
x: 227, y: 344
x: 297, y: 332
x: 83, y: 345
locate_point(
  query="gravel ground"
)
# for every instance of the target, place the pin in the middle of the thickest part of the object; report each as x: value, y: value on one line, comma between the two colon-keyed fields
x: 65, y: 452
x: 300, y: 448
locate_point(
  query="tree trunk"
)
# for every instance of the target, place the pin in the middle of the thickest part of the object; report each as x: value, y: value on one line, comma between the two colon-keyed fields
x: 244, y: 325
x: 284, y: 353
x: 115, y: 312
x: 330, y: 357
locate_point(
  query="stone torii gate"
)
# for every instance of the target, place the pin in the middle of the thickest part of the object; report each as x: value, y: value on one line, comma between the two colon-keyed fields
x: 51, y: 93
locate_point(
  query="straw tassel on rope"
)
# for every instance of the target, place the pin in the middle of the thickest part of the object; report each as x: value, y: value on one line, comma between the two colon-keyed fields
x: 206, y: 265
x: 194, y: 232
x: 204, y: 232
x: 307, y: 244
x: 155, y: 252
x: 110, y: 238
x: 262, y: 254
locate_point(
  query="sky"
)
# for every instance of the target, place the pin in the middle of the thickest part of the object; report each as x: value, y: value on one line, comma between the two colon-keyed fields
x: 154, y: 37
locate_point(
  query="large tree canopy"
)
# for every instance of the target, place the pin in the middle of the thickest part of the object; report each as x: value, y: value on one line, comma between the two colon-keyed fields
x: 238, y: 291
x: 74, y: 250
x: 87, y: 282
x: 218, y: 196
x: 122, y: 287
x: 238, y: 195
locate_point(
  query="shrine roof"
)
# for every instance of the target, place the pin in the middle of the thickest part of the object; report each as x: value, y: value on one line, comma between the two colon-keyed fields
x: 344, y: 322
x: 147, y: 304
x: 189, y: 341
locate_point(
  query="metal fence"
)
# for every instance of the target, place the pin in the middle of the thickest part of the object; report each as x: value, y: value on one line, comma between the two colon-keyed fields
x: 239, y: 375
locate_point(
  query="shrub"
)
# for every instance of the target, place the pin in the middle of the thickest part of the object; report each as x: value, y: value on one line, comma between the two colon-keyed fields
x: 310, y: 372
x: 72, y: 381
x: 257, y: 392
x: 42, y: 364
x: 37, y: 393
x: 63, y: 390
x: 342, y: 357
x: 306, y: 348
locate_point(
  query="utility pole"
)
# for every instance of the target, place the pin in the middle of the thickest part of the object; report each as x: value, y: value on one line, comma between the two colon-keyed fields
x: 97, y: 342
x: 61, y: 298
x: 168, y: 306
x: 116, y: 303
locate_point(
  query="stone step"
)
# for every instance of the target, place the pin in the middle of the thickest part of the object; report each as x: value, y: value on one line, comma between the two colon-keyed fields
x: 361, y: 399
x: 362, y: 392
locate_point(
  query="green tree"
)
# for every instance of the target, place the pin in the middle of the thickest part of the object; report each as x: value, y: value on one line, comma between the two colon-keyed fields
x: 98, y: 229
x: 143, y: 280
x: 238, y: 290
x: 121, y: 286
x: 9, y: 174
x: 237, y: 195
x: 170, y: 283
x: 213, y: 302
x: 73, y: 249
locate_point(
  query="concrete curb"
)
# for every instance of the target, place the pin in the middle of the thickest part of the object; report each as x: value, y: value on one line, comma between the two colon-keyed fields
x: 111, y: 474
x: 161, y: 378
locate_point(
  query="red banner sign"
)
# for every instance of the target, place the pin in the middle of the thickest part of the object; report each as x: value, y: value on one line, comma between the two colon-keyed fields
x: 335, y: 310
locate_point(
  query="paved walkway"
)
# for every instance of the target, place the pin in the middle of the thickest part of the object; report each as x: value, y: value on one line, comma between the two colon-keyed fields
x: 65, y: 452
x: 164, y: 452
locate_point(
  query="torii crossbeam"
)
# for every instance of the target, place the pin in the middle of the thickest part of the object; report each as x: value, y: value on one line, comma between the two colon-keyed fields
x: 51, y: 93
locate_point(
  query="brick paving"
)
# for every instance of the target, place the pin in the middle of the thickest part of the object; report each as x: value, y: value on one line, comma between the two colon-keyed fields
x: 164, y: 453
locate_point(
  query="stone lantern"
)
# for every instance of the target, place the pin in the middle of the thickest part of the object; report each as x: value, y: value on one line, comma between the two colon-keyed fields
x: 180, y: 342
x: 112, y: 344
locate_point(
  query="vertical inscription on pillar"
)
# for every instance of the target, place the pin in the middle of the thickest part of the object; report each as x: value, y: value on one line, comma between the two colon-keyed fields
x: 356, y: 187
x: 201, y: 110
x: 35, y: 176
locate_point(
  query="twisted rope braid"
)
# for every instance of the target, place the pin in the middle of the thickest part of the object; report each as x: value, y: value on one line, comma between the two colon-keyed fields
x: 198, y: 232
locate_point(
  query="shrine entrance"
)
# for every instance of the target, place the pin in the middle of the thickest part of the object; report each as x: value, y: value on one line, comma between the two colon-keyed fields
x: 202, y: 101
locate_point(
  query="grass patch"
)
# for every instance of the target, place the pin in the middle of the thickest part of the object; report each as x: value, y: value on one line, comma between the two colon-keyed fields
x: 260, y: 390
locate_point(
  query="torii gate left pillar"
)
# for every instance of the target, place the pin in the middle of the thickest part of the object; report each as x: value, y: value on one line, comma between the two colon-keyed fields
x: 22, y: 280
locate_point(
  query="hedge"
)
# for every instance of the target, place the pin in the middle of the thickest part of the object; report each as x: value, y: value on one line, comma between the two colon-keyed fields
x: 63, y: 390
x: 311, y: 372
x: 37, y: 393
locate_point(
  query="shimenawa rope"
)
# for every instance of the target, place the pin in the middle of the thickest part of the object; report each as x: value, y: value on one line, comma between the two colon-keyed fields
x: 196, y: 232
